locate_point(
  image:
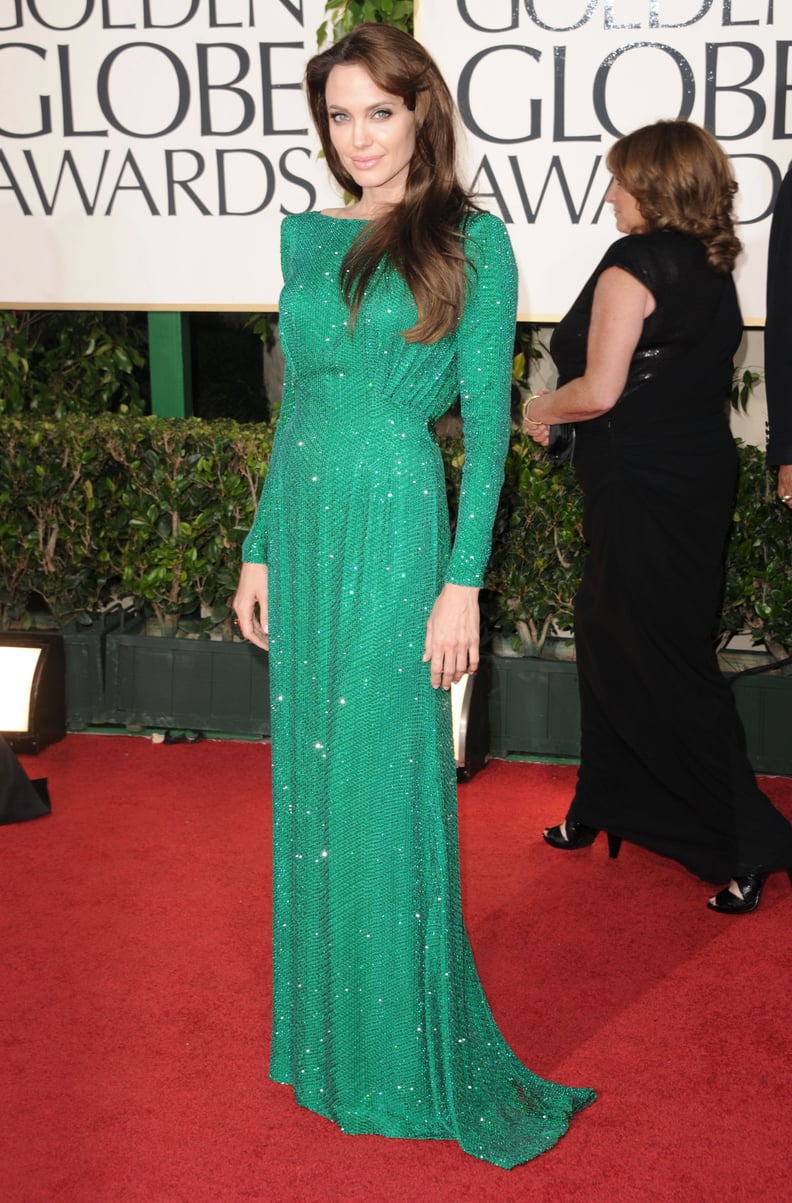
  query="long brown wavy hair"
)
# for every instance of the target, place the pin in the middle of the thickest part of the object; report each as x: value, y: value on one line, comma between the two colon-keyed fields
x: 422, y: 236
x: 682, y: 180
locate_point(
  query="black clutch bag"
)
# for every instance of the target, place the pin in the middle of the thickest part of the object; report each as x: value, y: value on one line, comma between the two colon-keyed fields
x: 562, y: 443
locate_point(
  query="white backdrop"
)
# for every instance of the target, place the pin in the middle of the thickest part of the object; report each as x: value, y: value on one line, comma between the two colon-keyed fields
x: 148, y: 153
x: 546, y: 86
x: 149, y: 148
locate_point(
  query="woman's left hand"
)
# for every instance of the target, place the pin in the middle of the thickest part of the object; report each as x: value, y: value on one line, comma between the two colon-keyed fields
x: 452, y: 635
x: 539, y: 433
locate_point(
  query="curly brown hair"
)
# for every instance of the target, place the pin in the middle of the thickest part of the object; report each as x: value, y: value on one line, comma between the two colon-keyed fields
x: 682, y: 180
x: 422, y: 235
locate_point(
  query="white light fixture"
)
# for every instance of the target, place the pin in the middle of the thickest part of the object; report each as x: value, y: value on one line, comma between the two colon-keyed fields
x: 19, y: 666
x: 32, y: 690
x: 470, y: 718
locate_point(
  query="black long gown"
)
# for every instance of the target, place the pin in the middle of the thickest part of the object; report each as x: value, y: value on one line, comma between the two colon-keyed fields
x: 663, y: 760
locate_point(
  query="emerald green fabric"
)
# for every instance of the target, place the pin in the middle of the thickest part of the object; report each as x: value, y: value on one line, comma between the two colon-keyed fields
x: 380, y: 1022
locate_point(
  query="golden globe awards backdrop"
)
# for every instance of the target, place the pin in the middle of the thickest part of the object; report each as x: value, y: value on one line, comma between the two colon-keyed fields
x: 150, y: 148
x: 546, y: 86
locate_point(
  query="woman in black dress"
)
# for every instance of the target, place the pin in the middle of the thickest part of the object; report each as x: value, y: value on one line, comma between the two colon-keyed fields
x: 645, y: 369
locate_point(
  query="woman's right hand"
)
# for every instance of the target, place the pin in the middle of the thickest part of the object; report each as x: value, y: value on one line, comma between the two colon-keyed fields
x: 785, y: 484
x: 250, y: 604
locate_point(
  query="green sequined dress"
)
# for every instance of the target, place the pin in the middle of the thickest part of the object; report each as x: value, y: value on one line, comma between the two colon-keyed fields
x: 380, y: 1022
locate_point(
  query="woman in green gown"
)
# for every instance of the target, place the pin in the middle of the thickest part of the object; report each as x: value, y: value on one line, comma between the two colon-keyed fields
x: 391, y: 308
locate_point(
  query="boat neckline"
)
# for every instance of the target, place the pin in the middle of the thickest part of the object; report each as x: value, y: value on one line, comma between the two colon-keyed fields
x: 336, y: 217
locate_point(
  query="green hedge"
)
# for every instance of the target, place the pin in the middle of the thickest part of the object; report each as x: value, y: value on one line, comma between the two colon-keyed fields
x: 59, y: 363
x: 96, y: 508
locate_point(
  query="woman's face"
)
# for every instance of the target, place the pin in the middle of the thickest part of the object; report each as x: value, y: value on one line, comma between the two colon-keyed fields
x: 372, y: 132
x: 629, y: 218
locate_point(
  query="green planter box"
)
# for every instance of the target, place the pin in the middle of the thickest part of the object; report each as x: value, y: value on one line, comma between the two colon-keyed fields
x: 534, y: 711
x: 84, y: 645
x: 534, y: 707
x: 765, y: 706
x: 195, y: 684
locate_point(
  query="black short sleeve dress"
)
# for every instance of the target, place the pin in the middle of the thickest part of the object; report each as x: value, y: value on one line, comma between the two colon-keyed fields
x: 663, y: 759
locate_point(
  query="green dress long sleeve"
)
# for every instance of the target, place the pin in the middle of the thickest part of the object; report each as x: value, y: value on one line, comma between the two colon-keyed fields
x: 380, y: 1022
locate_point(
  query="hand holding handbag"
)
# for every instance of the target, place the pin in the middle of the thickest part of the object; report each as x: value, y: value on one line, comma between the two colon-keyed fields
x: 561, y: 442
x: 561, y: 446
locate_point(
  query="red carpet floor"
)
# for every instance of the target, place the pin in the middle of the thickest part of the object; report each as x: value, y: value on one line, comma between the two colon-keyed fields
x: 135, y: 1001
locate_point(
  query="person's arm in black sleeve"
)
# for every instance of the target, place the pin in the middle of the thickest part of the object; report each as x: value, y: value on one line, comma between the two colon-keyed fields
x: 778, y: 341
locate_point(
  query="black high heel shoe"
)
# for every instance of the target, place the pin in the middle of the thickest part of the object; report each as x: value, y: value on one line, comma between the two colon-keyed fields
x: 578, y: 835
x: 750, y: 887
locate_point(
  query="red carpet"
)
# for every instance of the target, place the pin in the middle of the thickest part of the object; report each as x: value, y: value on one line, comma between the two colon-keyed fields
x: 135, y: 1001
